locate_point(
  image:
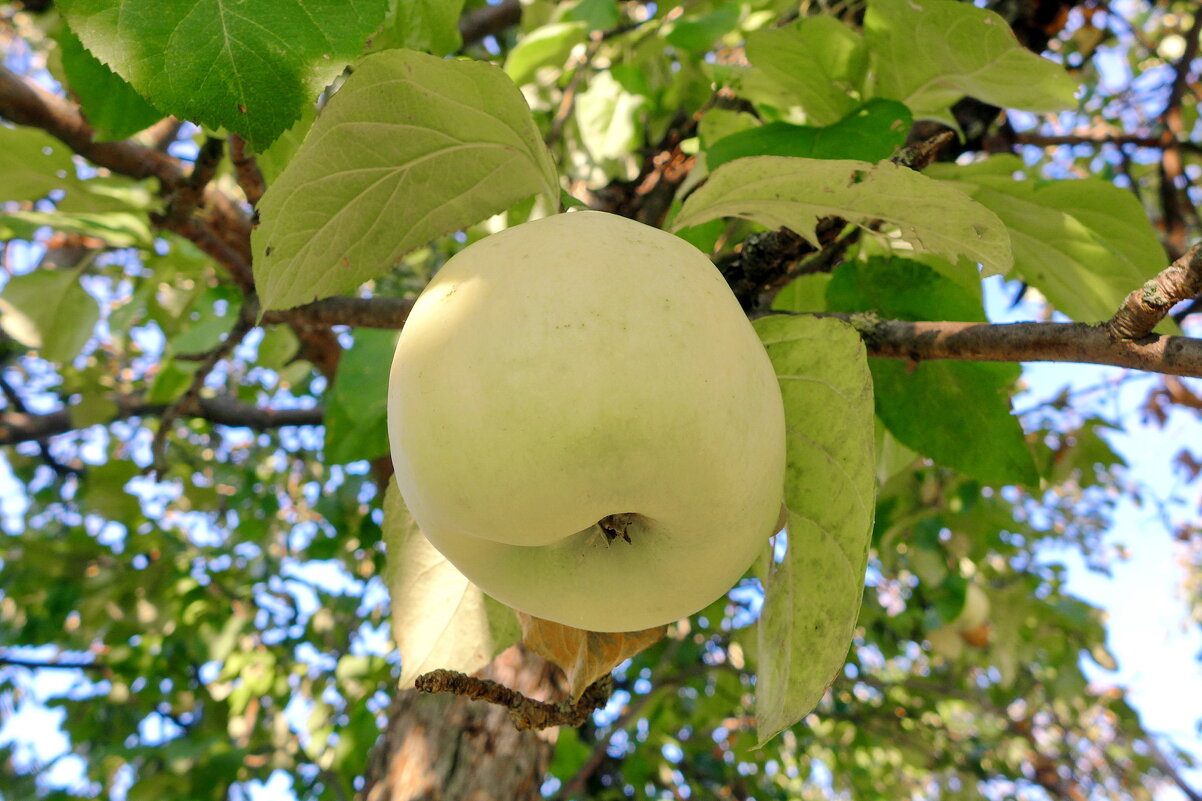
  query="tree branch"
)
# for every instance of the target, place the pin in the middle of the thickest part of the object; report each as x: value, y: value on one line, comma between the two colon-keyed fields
x: 489, y: 20
x: 1080, y: 343
x: 1148, y: 305
x: 224, y: 410
x: 525, y: 712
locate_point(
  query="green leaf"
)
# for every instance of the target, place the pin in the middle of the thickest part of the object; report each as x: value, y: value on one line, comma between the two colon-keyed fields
x: 117, y: 228
x: 781, y: 192
x: 812, y: 597
x: 104, y: 491
x: 411, y: 148
x: 941, y: 409
x: 429, y: 25
x: 439, y: 618
x: 547, y: 46
x: 34, y: 164
x: 273, y: 160
x: 697, y: 34
x: 111, y: 106
x: 870, y: 133
x: 1085, y: 244
x: 608, y: 117
x: 48, y: 310
x: 930, y: 53
x: 902, y: 289
x: 247, y: 67
x: 819, y: 61
x: 357, y: 403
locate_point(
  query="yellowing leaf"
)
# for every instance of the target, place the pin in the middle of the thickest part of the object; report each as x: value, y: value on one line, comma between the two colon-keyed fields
x: 584, y: 656
x: 439, y: 618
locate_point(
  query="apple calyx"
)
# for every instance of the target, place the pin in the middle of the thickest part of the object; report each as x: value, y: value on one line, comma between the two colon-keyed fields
x: 617, y: 526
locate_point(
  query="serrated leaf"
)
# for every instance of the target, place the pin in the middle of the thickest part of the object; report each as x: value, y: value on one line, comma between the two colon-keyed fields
x: 273, y: 160
x: 930, y: 53
x: 782, y: 192
x: 870, y: 133
x: 819, y: 61
x: 411, y: 148
x: 248, y: 67
x: 439, y: 618
x: 48, y: 310
x: 584, y: 656
x: 812, y: 597
x: 111, y: 106
x: 1085, y: 244
x: 357, y: 402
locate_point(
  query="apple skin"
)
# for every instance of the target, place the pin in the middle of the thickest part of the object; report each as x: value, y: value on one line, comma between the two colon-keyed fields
x: 575, y: 367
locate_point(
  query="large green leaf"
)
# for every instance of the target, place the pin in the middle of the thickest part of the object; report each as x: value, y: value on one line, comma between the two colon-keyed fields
x: 439, y: 618
x: 411, y: 148
x: 48, y: 310
x: 941, y: 409
x: 930, y: 53
x: 812, y: 597
x: 819, y: 62
x: 794, y: 193
x: 111, y: 106
x: 870, y: 133
x: 357, y: 403
x: 246, y: 65
x: 1085, y: 244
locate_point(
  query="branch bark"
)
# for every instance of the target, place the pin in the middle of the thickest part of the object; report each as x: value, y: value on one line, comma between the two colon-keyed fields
x: 223, y: 410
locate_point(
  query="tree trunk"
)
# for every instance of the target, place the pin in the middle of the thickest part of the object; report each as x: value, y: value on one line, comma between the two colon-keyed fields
x: 446, y: 748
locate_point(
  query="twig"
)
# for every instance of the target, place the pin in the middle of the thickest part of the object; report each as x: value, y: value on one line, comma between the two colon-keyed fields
x: 246, y: 171
x: 489, y: 20
x: 18, y: 405
x: 1148, y: 305
x: 524, y: 712
x: 188, y: 195
x: 246, y: 322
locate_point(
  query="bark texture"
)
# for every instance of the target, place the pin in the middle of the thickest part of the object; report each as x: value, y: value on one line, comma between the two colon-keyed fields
x: 447, y: 748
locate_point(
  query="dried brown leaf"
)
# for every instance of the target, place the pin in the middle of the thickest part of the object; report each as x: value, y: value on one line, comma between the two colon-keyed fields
x: 584, y: 656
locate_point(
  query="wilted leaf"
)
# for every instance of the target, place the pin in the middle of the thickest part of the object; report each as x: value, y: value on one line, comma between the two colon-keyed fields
x: 794, y: 193
x: 412, y: 147
x: 584, y: 656
x: 812, y: 597
x: 439, y: 618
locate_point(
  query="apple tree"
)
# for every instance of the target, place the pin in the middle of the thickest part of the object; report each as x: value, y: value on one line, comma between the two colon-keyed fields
x: 217, y: 217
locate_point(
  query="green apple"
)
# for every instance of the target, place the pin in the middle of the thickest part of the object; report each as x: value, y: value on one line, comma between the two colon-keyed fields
x: 583, y: 421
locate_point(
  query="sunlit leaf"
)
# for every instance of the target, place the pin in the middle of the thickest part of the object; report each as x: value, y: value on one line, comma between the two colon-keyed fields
x: 248, y: 67
x: 812, y: 597
x: 439, y: 618
x: 795, y: 193
x: 411, y: 148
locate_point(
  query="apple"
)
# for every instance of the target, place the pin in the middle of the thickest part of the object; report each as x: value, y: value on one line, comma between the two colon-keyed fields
x: 583, y: 421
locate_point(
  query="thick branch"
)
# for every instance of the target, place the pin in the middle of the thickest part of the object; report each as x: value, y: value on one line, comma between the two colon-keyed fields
x: 357, y: 312
x: 223, y: 410
x: 489, y: 20
x: 1148, y: 305
x: 1026, y: 342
